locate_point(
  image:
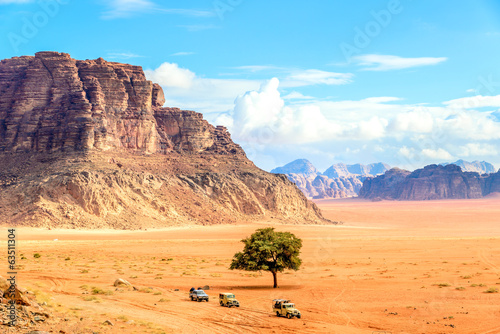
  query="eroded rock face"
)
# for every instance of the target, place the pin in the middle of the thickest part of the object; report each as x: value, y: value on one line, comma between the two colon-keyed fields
x: 430, y: 182
x: 338, y: 181
x: 51, y: 102
x: 88, y: 144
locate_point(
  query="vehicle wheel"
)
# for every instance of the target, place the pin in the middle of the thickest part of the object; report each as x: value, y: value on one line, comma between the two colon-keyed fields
x: 277, y: 314
x: 289, y: 316
x: 298, y: 317
x: 207, y: 300
x: 199, y: 300
x: 221, y: 303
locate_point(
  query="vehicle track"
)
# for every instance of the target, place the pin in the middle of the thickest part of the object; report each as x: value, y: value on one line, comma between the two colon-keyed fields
x: 484, y: 258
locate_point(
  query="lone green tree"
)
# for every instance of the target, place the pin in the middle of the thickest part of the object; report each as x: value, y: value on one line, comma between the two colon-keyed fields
x: 270, y: 251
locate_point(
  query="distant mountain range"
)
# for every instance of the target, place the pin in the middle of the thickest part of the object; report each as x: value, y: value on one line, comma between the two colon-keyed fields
x: 481, y: 167
x: 431, y: 182
x: 369, y: 181
x: 338, y: 181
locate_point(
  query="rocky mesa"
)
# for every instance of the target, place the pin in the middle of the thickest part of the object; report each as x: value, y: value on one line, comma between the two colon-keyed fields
x: 88, y: 144
x: 429, y: 183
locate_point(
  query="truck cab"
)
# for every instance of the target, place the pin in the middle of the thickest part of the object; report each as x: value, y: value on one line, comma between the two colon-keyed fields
x: 283, y: 307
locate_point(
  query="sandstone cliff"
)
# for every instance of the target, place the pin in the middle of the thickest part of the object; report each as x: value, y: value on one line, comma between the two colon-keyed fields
x: 88, y: 144
x: 430, y: 182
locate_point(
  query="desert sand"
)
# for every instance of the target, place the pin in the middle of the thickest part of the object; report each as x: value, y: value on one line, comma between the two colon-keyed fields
x: 390, y: 267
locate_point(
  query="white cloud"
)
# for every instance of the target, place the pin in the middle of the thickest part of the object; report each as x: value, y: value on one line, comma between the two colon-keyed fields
x: 170, y: 75
x: 184, y: 89
x: 316, y: 77
x: 374, y: 62
x: 123, y: 55
x: 260, y: 117
x: 182, y: 53
x: 436, y: 154
x: 381, y: 99
x: 380, y: 127
x: 413, y: 121
x: 406, y: 152
x: 126, y: 8
x: 478, y: 101
x: 478, y: 150
x: 470, y: 124
x: 297, y: 96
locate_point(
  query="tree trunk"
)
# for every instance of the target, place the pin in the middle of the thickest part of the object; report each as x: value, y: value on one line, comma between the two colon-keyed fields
x: 275, y: 277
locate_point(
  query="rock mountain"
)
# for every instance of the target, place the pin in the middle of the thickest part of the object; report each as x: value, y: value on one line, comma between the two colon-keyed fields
x: 87, y: 144
x: 338, y: 181
x: 481, y: 167
x: 430, y: 182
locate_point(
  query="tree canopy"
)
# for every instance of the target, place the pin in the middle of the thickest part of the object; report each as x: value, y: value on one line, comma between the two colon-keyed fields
x: 270, y: 251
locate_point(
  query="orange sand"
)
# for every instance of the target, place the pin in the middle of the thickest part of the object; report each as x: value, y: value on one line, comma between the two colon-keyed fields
x: 398, y: 267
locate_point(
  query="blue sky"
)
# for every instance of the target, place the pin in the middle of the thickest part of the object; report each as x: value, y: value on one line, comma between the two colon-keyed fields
x: 404, y: 82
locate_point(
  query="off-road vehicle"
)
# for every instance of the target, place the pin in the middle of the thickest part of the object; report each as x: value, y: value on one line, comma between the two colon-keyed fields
x: 228, y: 299
x: 283, y: 307
x: 198, y: 295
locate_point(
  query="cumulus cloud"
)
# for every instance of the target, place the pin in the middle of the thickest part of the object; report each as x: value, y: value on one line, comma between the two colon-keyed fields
x: 171, y: 75
x: 478, y: 150
x: 413, y: 121
x: 261, y: 117
x: 470, y: 124
x: 478, y: 101
x: 384, y: 128
x: 184, y: 89
x: 437, y: 154
x: 374, y: 62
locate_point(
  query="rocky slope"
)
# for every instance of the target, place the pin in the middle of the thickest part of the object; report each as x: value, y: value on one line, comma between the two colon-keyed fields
x: 430, y: 182
x: 88, y: 144
x: 338, y: 181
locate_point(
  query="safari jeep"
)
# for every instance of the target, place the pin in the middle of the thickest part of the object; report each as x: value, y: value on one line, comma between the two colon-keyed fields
x: 198, y: 295
x: 228, y: 299
x: 284, y: 308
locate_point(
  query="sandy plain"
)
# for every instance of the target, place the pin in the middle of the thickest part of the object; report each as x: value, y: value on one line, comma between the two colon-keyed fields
x: 390, y: 267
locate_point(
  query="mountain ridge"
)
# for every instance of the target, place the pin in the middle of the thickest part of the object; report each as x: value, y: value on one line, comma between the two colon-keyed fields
x: 430, y: 183
x: 338, y: 181
x: 88, y: 144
